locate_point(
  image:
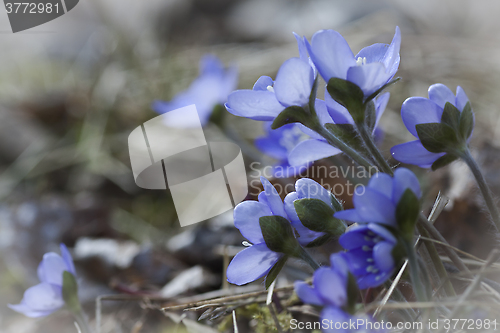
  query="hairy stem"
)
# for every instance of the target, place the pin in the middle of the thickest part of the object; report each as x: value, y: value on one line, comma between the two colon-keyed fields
x: 337, y: 143
x: 372, y: 148
x: 483, y: 187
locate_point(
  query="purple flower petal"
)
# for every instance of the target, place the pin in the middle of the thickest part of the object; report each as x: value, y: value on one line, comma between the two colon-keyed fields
x: 311, y: 150
x: 414, y: 153
x: 254, y: 104
x: 368, y: 77
x: 357, y: 259
x: 262, y: 83
x: 373, y: 53
x: 29, y: 312
x: 383, y: 232
x: 440, y: 94
x: 308, y: 188
x: 272, y: 147
x: 332, y: 315
x: 382, y: 183
x: 349, y: 215
x: 302, y: 48
x: 392, y: 58
x: 338, y: 262
x: 44, y: 297
x: 246, y: 219
x: 307, y: 294
x: 323, y: 114
x: 373, y: 280
x: 211, y: 65
x: 419, y: 110
x: 40, y: 300
x: 404, y: 179
x: 251, y: 264
x: 330, y: 286
x: 373, y: 207
x: 294, y: 82
x: 337, y: 112
x: 67, y: 259
x: 382, y: 254
x: 331, y: 54
x: 273, y: 198
x: 355, y: 238
x: 461, y: 99
x: 51, y: 269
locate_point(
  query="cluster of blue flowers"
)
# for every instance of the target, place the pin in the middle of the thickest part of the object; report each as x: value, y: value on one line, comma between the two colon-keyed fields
x: 353, y: 82
x: 300, y: 129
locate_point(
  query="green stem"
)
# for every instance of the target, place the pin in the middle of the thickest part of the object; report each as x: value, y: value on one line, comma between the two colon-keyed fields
x: 372, y: 148
x: 483, y: 187
x: 414, y: 271
x: 304, y: 255
x: 337, y: 143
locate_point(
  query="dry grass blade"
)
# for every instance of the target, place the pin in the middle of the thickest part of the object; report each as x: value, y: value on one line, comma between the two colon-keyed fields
x: 222, y: 300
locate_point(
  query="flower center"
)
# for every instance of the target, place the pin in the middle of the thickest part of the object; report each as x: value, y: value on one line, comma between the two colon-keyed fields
x: 361, y: 61
x: 270, y: 88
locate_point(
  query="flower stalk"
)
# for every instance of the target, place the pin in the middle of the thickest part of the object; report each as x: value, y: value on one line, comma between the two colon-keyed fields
x: 372, y: 148
x: 483, y: 186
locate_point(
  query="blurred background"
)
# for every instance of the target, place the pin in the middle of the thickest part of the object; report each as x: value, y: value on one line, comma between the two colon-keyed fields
x: 73, y: 89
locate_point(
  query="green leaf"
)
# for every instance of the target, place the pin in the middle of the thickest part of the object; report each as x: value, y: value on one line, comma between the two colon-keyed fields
x: 466, y: 122
x: 407, y: 212
x: 437, y: 137
x: 348, y: 134
x: 451, y: 116
x: 318, y: 216
x: 370, y: 115
x: 349, y: 95
x: 443, y: 161
x: 275, y: 270
x: 352, y: 293
x: 70, y: 292
x: 376, y: 93
x: 278, y: 234
x: 292, y: 114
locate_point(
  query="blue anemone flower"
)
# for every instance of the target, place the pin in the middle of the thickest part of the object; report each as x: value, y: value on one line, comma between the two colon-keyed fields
x: 369, y: 253
x: 377, y: 202
x: 46, y: 297
x: 268, y: 98
x: 209, y: 89
x: 370, y: 69
x: 420, y: 110
x: 257, y: 260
